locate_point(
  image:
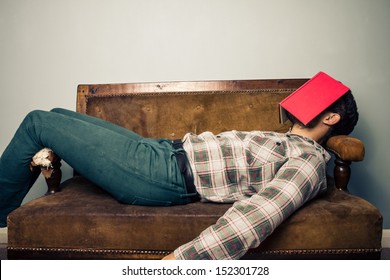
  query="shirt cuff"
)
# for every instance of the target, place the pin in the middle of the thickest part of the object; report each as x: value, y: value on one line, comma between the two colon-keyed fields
x: 186, y: 252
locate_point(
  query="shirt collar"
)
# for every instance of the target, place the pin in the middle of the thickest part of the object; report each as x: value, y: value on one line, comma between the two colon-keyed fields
x: 319, y: 147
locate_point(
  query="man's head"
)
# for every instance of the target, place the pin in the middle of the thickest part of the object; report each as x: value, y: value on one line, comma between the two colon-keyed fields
x: 343, y: 116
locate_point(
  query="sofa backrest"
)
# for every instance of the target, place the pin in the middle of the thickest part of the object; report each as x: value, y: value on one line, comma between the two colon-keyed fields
x: 171, y: 109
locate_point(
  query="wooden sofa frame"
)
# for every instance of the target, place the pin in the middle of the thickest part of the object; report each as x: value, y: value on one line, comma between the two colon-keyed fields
x: 346, y: 226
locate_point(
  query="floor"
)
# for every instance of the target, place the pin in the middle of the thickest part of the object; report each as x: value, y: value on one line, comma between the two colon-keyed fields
x: 386, y: 254
x: 3, y: 253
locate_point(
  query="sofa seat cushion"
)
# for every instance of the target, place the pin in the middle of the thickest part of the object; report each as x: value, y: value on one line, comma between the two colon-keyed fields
x: 82, y: 219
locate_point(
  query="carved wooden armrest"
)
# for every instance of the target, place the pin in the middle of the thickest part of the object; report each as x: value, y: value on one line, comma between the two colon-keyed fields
x: 346, y: 150
x: 49, y: 164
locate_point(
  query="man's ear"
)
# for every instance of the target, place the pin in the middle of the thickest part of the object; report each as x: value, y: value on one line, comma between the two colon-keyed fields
x: 331, y: 118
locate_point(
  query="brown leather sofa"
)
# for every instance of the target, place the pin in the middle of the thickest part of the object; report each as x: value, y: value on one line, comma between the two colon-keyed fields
x: 83, y: 222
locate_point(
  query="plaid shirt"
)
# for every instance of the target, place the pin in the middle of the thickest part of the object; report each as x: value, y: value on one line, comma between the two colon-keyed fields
x: 266, y: 175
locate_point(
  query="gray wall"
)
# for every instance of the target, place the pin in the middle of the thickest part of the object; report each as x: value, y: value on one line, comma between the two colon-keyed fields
x: 48, y: 47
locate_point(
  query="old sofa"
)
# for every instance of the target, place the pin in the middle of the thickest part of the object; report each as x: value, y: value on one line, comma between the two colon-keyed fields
x: 83, y: 222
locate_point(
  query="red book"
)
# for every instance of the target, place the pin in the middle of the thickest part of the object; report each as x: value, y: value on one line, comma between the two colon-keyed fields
x: 312, y: 98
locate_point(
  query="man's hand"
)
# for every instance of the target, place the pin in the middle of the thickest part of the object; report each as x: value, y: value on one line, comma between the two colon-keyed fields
x: 171, y: 256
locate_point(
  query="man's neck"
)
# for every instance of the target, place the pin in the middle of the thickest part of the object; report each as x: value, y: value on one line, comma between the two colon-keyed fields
x: 318, y: 133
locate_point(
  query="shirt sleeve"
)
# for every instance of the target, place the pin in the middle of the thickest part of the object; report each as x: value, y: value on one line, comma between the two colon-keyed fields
x: 248, y: 222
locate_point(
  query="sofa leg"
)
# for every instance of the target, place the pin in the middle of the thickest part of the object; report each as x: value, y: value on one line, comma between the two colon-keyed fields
x: 342, y: 174
x: 50, y: 167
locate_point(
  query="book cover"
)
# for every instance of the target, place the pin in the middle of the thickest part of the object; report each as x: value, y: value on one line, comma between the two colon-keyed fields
x: 312, y: 98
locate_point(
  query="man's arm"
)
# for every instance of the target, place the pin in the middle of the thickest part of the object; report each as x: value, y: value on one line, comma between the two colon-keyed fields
x: 248, y: 222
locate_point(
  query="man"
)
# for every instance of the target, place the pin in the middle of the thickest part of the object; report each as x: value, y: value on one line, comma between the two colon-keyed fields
x: 266, y: 175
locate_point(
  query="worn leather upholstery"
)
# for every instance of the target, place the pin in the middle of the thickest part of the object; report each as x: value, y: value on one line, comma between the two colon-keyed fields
x: 84, y: 222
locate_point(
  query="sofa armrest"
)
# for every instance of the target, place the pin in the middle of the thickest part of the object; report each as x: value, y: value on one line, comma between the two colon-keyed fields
x: 346, y: 149
x: 48, y: 163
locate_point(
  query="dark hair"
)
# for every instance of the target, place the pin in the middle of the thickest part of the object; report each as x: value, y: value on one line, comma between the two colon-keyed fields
x: 346, y: 107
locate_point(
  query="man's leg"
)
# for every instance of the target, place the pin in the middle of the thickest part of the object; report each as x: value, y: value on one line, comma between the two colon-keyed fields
x: 97, y: 121
x: 131, y: 168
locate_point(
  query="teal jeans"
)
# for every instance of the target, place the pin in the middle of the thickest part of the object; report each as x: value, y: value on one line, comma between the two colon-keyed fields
x: 133, y: 169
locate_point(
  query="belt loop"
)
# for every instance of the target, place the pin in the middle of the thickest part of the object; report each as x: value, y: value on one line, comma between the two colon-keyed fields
x: 177, y: 144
